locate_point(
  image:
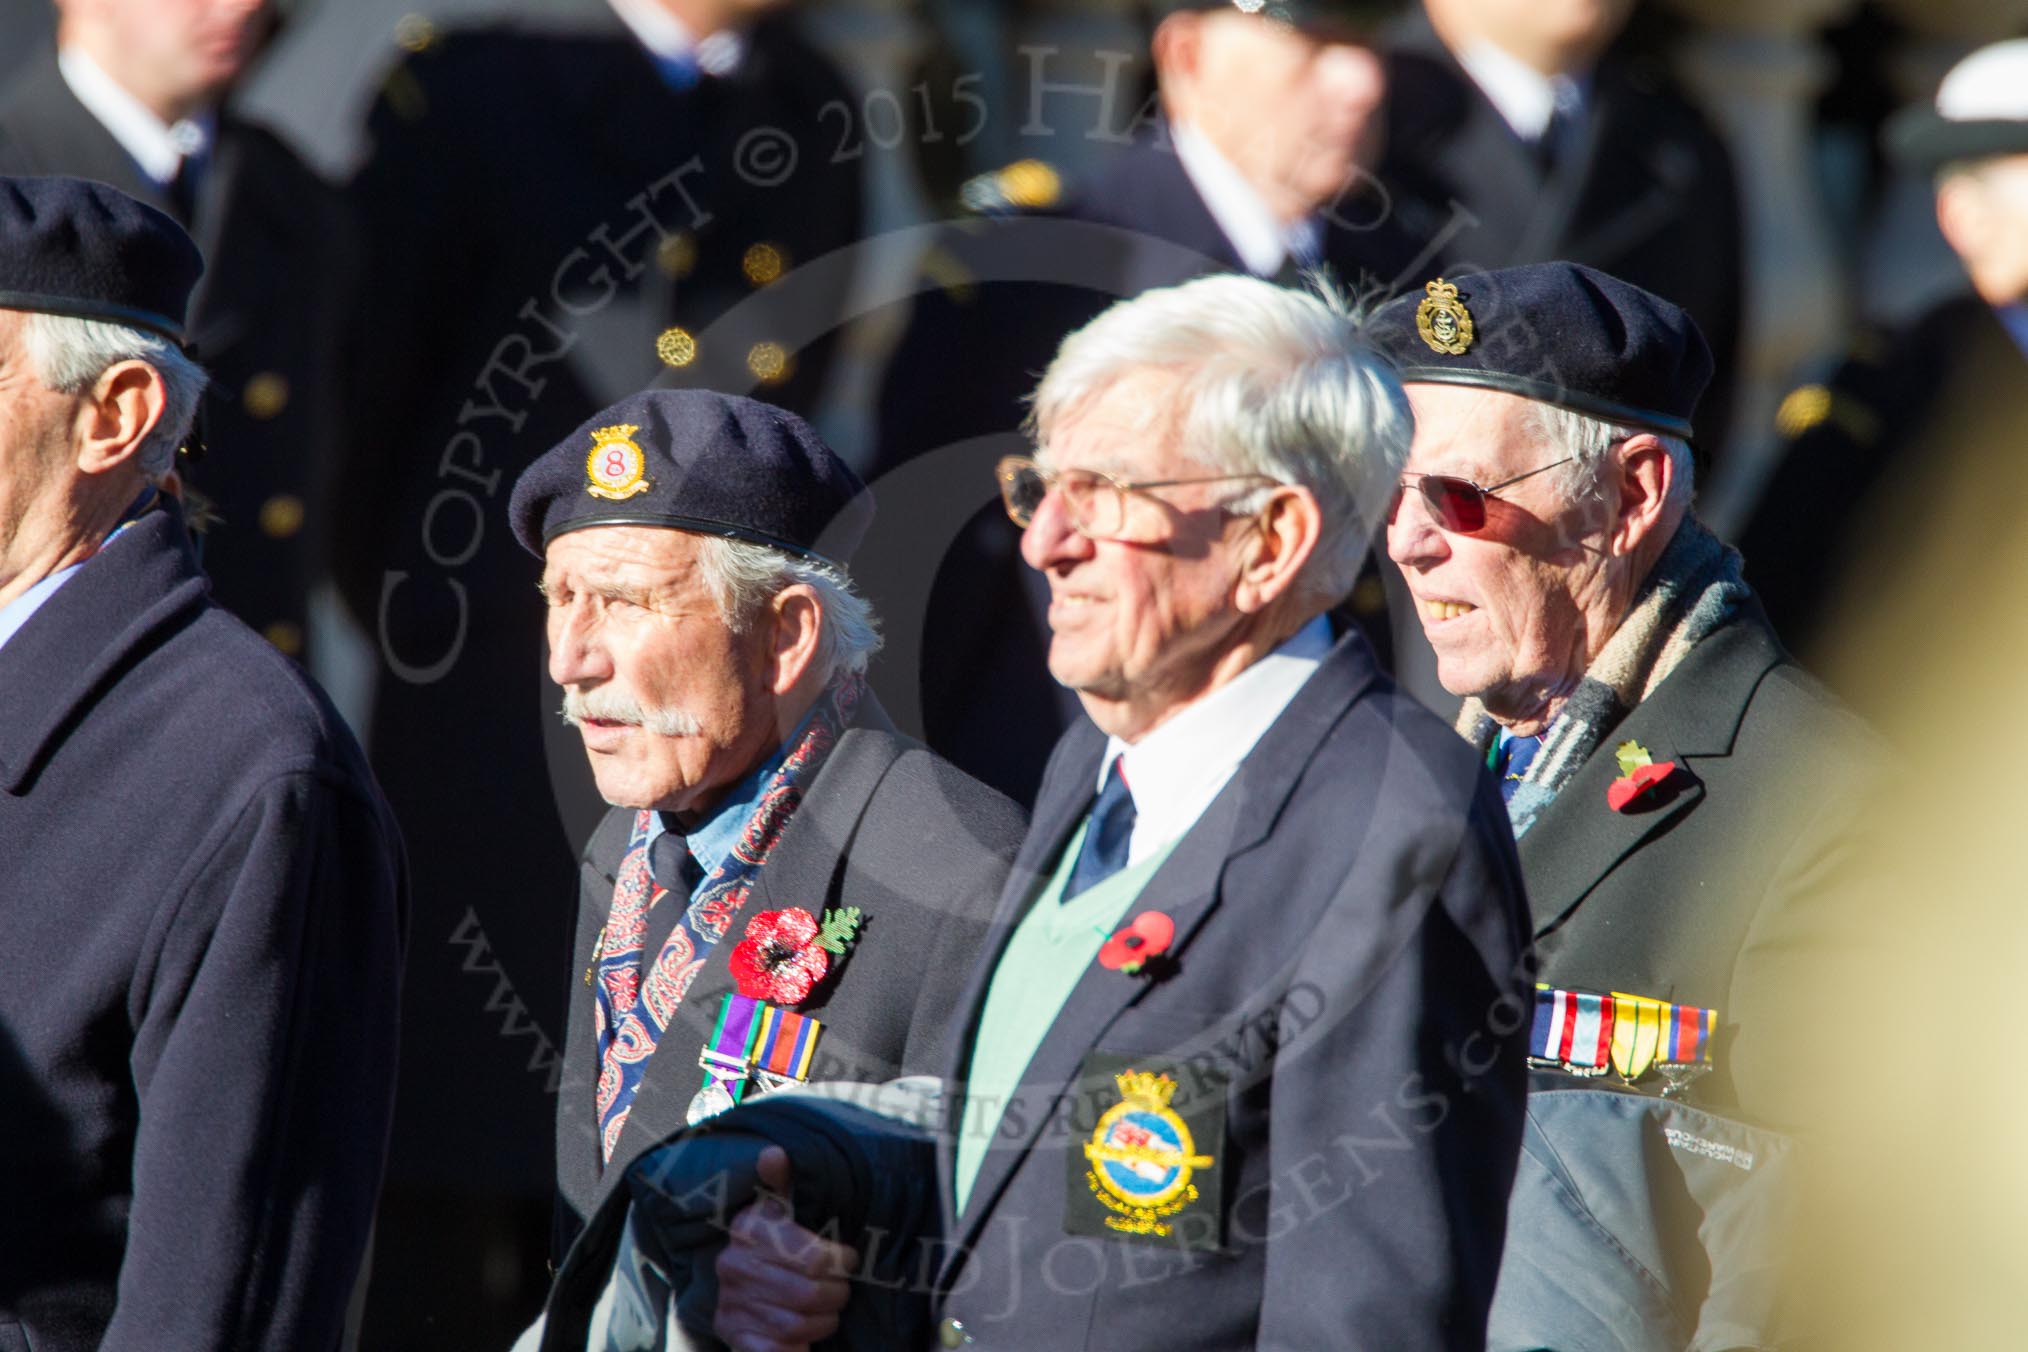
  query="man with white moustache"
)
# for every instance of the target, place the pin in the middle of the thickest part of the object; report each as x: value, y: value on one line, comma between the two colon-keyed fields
x: 785, y: 889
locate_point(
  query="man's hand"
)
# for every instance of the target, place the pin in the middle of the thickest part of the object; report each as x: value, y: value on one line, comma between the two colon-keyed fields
x: 780, y: 1288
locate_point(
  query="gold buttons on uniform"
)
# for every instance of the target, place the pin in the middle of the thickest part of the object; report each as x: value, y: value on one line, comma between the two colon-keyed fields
x: 1804, y: 408
x: 676, y: 347
x: 414, y: 33
x: 265, y: 395
x: 677, y: 255
x: 763, y: 263
x: 285, y: 636
x: 1369, y: 597
x: 951, y: 1333
x: 769, y: 362
x: 282, y: 516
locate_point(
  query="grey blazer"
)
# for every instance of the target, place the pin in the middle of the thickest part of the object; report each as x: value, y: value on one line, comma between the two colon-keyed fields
x: 918, y: 846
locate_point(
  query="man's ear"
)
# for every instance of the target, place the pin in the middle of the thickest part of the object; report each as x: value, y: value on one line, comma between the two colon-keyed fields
x: 117, y: 414
x: 1646, y: 474
x: 796, y: 618
x: 1176, y: 48
x: 1285, y: 534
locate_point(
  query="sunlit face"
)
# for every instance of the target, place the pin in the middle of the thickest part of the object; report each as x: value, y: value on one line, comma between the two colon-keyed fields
x: 673, y: 706
x: 1516, y: 612
x: 1295, y: 114
x: 1137, y: 623
x: 184, y: 50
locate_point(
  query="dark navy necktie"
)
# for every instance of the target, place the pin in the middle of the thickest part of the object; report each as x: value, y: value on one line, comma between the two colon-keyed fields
x: 676, y: 869
x: 1109, y: 830
x: 1516, y: 754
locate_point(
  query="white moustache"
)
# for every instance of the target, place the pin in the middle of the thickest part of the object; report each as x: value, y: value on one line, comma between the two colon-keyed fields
x: 616, y: 706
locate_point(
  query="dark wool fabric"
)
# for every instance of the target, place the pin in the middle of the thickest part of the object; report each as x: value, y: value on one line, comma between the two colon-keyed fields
x: 74, y: 247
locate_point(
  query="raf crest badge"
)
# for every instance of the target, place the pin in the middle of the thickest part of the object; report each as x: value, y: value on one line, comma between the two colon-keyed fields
x: 615, y: 469
x: 1141, y: 1157
x: 1442, y: 319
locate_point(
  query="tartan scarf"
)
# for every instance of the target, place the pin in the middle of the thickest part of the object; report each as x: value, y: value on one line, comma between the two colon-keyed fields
x: 1695, y: 587
x: 633, y: 1011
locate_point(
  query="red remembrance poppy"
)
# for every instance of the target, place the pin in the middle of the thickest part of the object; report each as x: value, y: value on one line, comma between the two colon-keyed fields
x: 1621, y: 793
x: 1149, y: 934
x: 779, y: 959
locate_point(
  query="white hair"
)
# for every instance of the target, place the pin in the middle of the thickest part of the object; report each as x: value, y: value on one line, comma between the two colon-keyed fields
x: 69, y: 355
x: 743, y: 577
x: 1588, y: 441
x: 1275, y: 382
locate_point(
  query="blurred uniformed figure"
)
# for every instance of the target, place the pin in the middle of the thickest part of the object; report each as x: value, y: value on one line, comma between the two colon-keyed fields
x: 555, y: 212
x: 135, y: 93
x: 1937, y: 398
x: 1255, y: 159
x: 1522, y: 127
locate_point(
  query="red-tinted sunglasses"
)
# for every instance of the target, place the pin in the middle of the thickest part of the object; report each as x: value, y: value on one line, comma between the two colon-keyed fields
x: 1459, y: 505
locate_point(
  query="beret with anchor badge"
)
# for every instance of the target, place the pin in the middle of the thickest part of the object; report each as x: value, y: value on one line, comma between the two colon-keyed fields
x: 1560, y: 333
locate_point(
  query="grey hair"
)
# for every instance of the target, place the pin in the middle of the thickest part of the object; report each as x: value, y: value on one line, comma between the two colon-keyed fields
x: 1588, y: 440
x: 1275, y: 382
x: 69, y: 355
x: 743, y: 577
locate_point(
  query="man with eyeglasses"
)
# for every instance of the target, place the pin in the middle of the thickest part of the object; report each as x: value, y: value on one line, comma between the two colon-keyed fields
x: 1242, y: 1065
x: 1680, y: 789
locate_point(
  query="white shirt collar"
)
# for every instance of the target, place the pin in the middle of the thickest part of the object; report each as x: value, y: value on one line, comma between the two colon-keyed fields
x: 1523, y: 95
x: 669, y: 40
x: 1262, y: 242
x: 1176, y: 770
x: 158, y: 147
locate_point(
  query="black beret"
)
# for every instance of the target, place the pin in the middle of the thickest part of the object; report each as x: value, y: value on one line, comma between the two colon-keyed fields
x: 1561, y: 333
x: 69, y: 246
x: 696, y: 460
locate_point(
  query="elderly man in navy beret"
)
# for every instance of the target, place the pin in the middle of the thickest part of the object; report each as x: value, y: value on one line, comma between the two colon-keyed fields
x: 1681, y: 791
x: 785, y: 888
x: 201, y: 891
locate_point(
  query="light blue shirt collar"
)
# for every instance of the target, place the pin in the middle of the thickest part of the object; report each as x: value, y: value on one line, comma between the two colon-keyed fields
x: 16, y: 612
x: 711, y: 841
x: 2014, y: 318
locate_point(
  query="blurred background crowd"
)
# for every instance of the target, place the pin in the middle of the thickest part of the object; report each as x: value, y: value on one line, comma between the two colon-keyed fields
x: 440, y: 236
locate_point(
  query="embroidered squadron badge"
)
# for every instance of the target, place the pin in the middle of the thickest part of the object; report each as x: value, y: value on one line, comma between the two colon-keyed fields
x: 1142, y: 1156
x: 616, y: 469
x: 1442, y: 319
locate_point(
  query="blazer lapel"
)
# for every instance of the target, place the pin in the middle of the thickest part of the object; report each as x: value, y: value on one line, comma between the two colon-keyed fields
x: 1186, y: 888
x: 1692, y: 716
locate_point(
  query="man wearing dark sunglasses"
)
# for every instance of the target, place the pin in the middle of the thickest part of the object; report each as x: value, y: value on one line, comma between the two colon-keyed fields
x: 1680, y: 790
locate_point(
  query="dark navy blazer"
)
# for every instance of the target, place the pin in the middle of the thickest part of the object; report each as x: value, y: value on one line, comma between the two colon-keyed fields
x: 201, y: 913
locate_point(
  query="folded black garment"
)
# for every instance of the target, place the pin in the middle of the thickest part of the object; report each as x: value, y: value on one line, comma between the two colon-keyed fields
x: 862, y: 1177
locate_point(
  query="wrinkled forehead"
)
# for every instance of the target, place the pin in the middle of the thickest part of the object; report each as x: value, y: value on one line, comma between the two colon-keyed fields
x: 1470, y: 431
x: 1128, y: 427
x: 640, y: 556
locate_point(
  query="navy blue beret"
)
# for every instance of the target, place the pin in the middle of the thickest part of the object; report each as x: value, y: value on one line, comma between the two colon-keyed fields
x: 696, y: 460
x: 69, y: 246
x: 1340, y: 20
x: 1558, y: 332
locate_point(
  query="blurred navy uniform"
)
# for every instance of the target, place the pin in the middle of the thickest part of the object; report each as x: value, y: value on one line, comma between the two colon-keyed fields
x: 553, y: 216
x: 997, y: 293
x: 1944, y: 400
x: 203, y: 899
x: 263, y: 320
x: 1621, y: 174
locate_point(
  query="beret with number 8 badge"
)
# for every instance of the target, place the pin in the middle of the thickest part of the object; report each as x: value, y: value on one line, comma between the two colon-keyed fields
x: 1560, y: 333
x: 698, y: 461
